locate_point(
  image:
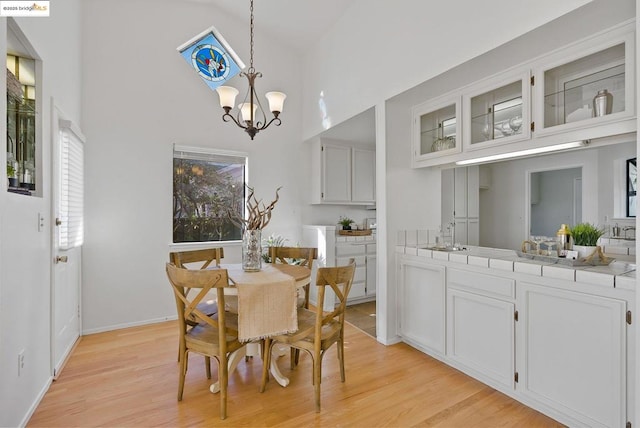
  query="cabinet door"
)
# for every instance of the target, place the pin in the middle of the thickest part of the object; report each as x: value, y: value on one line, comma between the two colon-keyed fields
x: 473, y: 231
x: 422, y: 297
x: 572, y: 353
x: 363, y: 176
x: 460, y: 192
x: 461, y: 235
x: 473, y: 191
x: 480, y: 335
x: 371, y: 275
x: 336, y: 173
x: 568, y: 82
x: 436, y: 130
x: 496, y: 111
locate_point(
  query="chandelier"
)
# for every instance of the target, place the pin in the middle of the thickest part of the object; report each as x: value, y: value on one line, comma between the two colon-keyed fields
x: 251, y: 116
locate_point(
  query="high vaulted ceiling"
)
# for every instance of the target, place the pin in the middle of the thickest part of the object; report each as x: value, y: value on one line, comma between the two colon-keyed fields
x: 298, y: 23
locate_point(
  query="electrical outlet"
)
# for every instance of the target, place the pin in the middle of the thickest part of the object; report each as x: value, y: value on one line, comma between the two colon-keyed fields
x: 20, y: 362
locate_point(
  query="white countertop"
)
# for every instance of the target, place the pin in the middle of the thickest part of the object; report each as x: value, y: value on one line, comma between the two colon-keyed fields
x: 620, y: 274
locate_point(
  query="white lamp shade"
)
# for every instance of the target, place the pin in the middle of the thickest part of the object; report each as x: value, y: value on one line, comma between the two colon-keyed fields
x: 227, y: 95
x: 245, y: 109
x: 276, y: 100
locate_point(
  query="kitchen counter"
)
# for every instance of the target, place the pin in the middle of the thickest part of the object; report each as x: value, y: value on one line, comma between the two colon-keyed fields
x: 508, y: 260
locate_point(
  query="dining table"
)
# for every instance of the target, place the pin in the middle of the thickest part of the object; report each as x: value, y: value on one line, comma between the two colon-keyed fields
x: 266, y: 306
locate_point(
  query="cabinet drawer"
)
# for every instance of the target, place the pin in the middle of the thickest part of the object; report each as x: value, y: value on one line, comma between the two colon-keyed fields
x: 350, y: 250
x: 481, y: 283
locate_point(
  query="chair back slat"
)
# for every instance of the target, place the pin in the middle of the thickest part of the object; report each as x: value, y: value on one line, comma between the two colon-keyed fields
x: 183, y: 280
x: 339, y: 279
x: 205, y: 256
x: 302, y: 256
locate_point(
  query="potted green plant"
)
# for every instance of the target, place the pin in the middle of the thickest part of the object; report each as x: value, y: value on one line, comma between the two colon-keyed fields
x: 585, y: 238
x: 345, y: 222
x: 11, y: 175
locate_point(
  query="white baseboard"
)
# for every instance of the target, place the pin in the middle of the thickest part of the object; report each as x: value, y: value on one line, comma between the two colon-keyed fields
x: 127, y: 325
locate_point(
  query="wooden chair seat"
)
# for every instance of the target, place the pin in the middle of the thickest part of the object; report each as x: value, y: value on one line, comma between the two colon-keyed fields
x: 205, y: 339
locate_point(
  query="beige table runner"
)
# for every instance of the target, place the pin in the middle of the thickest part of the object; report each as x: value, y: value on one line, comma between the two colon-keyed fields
x: 266, y: 302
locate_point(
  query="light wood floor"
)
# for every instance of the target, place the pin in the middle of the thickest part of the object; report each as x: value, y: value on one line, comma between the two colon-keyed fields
x: 128, y: 378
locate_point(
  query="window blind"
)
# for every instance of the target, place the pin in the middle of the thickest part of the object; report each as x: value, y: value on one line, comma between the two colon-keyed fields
x: 71, y: 209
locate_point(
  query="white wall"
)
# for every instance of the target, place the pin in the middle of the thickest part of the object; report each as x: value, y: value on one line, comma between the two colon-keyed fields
x: 140, y: 98
x: 25, y: 252
x: 380, y: 48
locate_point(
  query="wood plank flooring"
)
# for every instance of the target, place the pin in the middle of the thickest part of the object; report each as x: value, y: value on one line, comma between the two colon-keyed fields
x: 129, y: 378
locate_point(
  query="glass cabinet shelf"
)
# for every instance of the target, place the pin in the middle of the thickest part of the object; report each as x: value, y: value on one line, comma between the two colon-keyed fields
x: 570, y: 90
x: 498, y: 113
x: 436, y: 128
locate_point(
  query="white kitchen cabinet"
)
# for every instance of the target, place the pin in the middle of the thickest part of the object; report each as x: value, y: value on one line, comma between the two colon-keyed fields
x: 422, y: 299
x: 572, y: 353
x: 542, y: 102
x: 496, y: 111
x: 436, y: 130
x: 567, y: 81
x: 342, y: 174
x: 363, y: 175
x: 480, y: 326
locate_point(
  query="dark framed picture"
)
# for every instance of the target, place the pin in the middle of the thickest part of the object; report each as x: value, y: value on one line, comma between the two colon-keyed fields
x: 632, y: 184
x: 211, y: 57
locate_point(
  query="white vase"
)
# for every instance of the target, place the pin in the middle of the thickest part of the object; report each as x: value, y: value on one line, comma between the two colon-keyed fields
x: 584, y: 250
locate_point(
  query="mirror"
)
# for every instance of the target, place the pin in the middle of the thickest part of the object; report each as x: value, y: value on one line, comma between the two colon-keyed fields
x: 555, y: 198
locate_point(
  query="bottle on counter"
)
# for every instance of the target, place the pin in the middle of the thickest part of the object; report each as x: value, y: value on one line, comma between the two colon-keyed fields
x: 563, y: 240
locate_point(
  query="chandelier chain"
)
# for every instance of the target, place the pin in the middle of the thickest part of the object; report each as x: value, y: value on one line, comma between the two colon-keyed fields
x: 251, y: 69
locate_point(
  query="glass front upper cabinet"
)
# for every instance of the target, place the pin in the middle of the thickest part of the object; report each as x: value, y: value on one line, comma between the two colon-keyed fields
x: 436, y: 128
x: 594, y: 87
x: 497, y: 111
x: 21, y: 124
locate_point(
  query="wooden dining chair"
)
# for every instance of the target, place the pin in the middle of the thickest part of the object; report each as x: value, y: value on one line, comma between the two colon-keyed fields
x: 212, y: 336
x: 295, y: 255
x: 199, y: 259
x: 318, y: 330
x: 302, y: 256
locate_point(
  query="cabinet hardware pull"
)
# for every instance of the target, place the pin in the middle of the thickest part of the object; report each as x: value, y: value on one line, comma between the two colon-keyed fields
x: 515, y: 317
x: 533, y: 80
x: 629, y: 317
x: 533, y: 126
x: 515, y: 377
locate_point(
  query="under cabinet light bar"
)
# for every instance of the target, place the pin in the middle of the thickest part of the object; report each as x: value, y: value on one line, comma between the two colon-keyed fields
x: 521, y: 153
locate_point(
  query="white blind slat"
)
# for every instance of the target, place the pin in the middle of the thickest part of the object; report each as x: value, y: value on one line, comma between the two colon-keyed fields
x: 71, y: 209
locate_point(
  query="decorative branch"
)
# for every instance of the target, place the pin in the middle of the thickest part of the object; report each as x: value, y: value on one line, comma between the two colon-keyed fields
x: 258, y: 214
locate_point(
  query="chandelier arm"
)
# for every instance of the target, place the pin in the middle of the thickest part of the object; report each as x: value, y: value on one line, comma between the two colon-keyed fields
x: 275, y: 119
x: 227, y: 116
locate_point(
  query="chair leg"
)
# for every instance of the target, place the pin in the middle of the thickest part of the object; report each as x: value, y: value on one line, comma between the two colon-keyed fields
x: 317, y: 374
x: 266, y: 363
x: 223, y: 378
x: 183, y: 372
x: 306, y: 296
x: 207, y: 366
x: 341, y: 357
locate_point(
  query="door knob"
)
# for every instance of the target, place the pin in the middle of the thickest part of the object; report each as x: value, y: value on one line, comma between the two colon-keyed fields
x: 61, y: 259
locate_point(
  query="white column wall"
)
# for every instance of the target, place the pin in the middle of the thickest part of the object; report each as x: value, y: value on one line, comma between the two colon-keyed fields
x: 24, y: 251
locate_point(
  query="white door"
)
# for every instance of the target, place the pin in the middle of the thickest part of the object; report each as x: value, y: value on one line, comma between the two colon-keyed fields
x: 68, y: 179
